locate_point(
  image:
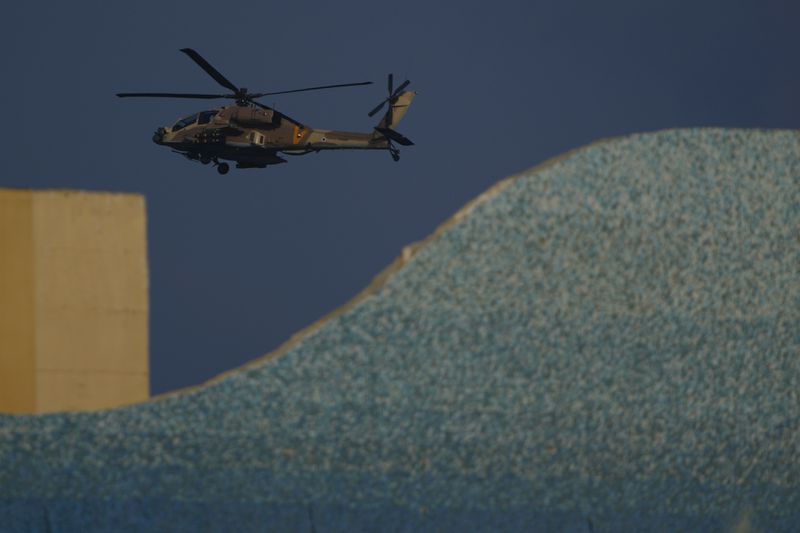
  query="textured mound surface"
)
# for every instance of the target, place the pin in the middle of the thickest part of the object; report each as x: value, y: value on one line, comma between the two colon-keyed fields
x: 608, y: 342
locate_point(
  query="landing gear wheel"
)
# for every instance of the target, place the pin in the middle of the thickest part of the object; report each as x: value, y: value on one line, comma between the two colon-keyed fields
x: 205, y: 159
x: 223, y: 168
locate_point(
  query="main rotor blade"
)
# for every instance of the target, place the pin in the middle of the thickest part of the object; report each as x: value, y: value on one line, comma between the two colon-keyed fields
x: 378, y: 107
x: 177, y: 95
x: 259, y: 95
x: 391, y: 81
x: 214, y: 73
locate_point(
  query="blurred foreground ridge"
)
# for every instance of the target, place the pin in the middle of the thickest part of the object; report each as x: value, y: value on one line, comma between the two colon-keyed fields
x: 609, y: 339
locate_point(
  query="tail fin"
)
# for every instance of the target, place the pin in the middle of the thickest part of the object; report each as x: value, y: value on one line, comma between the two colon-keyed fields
x: 398, y: 110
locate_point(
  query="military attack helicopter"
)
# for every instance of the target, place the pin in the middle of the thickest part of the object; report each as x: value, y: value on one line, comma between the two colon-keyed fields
x: 252, y: 134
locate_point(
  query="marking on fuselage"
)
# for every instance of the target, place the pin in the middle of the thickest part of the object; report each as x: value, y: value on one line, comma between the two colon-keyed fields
x: 298, y: 135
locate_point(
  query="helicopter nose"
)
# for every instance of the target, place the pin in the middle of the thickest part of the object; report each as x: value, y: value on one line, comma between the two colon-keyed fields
x: 158, y: 136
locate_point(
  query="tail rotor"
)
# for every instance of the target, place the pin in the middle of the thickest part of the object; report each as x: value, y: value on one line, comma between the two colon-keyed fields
x: 385, y: 127
x: 391, y: 98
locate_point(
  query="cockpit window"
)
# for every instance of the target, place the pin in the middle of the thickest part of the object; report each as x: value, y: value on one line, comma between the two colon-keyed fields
x: 205, y: 117
x: 182, y: 123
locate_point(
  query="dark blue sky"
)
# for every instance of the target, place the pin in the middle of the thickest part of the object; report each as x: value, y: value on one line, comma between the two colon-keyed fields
x: 239, y: 263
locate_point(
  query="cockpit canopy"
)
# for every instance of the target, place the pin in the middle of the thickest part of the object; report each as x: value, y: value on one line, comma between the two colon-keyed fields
x: 204, y: 117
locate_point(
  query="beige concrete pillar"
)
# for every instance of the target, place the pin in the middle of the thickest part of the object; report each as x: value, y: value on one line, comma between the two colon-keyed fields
x: 73, y: 301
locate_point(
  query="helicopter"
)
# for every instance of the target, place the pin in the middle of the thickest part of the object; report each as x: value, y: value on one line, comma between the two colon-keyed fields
x: 252, y: 134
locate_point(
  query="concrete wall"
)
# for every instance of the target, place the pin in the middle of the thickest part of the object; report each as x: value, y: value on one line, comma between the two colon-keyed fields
x: 73, y: 301
x: 17, y: 358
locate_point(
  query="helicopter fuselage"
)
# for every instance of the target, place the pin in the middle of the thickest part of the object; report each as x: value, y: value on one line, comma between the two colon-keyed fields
x: 253, y: 137
x: 252, y: 134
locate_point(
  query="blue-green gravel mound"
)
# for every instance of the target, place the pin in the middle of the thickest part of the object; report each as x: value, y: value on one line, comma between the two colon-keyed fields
x: 608, y: 342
